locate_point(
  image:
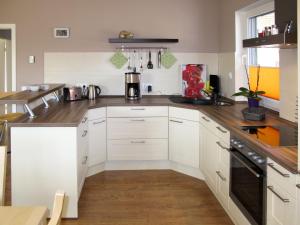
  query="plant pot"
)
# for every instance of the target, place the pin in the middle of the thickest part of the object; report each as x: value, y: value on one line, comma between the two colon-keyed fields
x: 253, y: 103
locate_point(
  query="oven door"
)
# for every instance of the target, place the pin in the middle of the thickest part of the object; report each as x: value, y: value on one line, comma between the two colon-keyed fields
x: 247, y: 187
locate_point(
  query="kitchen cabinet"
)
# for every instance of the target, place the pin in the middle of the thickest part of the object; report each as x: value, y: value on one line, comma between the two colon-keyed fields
x: 184, y: 136
x: 281, y: 196
x: 298, y: 199
x: 285, y: 11
x: 135, y: 128
x: 97, y: 141
x: 47, y: 159
x: 138, y: 149
x: 184, y: 142
x: 83, y: 148
x: 281, y: 207
x: 97, y: 136
x: 137, y: 133
x: 215, y: 157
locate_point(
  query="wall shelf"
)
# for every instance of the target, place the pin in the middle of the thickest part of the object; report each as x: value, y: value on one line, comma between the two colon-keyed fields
x: 143, y: 40
x: 273, y: 41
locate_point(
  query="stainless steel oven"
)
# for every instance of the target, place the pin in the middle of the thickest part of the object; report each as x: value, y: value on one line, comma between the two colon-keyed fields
x: 248, y: 181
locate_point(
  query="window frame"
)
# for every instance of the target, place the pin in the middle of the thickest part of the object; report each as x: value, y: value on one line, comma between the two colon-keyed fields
x: 252, y: 52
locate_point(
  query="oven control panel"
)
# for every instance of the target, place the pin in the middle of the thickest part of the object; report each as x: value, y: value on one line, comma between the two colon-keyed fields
x: 248, y: 152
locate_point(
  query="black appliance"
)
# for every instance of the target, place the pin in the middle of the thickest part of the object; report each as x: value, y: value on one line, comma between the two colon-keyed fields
x: 214, y: 82
x: 248, y: 187
x: 274, y: 135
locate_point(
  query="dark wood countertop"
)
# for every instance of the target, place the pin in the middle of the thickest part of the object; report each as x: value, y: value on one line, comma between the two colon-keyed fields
x: 70, y: 114
x: 25, y: 97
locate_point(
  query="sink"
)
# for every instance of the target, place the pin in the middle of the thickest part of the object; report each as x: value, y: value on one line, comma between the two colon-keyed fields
x: 223, y: 103
x: 198, y: 101
x: 194, y: 101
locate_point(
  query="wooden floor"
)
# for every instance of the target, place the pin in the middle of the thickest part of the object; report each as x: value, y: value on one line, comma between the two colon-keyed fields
x: 157, y: 197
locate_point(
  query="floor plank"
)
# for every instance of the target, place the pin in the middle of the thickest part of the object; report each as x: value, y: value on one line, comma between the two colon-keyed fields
x: 158, y: 197
x: 152, y: 197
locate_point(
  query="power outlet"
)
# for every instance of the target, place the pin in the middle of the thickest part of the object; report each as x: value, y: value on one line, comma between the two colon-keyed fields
x: 147, y: 88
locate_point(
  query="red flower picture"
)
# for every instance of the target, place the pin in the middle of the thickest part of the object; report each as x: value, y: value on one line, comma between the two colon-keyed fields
x: 193, y: 80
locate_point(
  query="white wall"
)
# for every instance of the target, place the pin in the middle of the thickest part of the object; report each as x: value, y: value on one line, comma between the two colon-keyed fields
x: 227, y: 73
x: 75, y: 68
x: 288, y: 83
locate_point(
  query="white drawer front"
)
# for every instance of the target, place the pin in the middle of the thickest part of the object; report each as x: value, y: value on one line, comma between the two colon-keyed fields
x: 282, y: 177
x: 216, y: 128
x: 181, y: 113
x: 138, y: 149
x: 138, y: 111
x: 97, y: 113
x: 127, y: 128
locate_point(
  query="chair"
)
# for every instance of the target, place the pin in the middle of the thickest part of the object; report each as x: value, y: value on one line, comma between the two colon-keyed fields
x: 57, y: 208
x: 3, y: 161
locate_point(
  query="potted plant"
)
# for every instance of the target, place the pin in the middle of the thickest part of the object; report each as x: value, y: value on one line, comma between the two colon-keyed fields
x: 253, y: 96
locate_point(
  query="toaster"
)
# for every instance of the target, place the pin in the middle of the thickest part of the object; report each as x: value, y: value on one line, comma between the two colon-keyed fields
x: 72, y: 94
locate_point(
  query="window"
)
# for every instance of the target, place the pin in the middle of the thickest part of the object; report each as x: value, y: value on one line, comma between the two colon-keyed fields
x: 266, y: 58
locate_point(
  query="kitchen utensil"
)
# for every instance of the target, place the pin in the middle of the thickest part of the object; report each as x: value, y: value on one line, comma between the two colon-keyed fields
x: 129, y: 65
x: 141, y: 63
x: 94, y: 91
x: 118, y: 60
x: 159, y: 59
x: 150, y: 64
x: 134, y: 61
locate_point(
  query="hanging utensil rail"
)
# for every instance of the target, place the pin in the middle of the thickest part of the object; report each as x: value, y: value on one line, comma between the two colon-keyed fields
x: 141, y: 48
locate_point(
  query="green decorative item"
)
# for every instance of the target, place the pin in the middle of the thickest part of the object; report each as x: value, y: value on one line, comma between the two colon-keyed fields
x: 168, y: 60
x: 118, y: 60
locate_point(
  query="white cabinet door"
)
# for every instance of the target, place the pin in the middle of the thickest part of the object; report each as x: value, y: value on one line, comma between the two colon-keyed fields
x: 82, y: 153
x: 97, y: 141
x: 281, y: 207
x: 210, y: 155
x: 298, y: 199
x: 184, y: 142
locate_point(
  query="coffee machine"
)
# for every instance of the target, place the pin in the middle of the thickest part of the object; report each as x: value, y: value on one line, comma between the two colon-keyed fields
x: 133, y: 85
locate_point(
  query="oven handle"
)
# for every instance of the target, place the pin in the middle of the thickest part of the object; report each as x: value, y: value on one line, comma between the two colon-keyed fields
x: 245, y: 164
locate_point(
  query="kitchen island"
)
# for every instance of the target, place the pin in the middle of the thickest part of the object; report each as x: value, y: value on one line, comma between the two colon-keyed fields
x: 71, y: 140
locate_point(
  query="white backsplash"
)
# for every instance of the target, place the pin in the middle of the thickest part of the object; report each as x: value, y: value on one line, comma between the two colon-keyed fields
x: 73, y: 68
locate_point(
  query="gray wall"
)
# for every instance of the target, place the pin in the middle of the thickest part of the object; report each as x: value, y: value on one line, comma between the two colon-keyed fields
x: 227, y: 22
x: 194, y: 22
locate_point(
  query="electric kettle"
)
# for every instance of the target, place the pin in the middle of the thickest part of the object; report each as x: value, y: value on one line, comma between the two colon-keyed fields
x: 94, y: 92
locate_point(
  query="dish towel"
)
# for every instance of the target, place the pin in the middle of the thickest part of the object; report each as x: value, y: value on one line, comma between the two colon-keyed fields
x: 168, y: 59
x: 118, y: 60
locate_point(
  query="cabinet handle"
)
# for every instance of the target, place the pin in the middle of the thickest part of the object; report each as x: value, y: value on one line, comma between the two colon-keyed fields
x: 84, y: 161
x: 298, y: 186
x: 207, y: 120
x: 285, y: 200
x: 141, y: 120
x: 84, y: 120
x: 220, y: 175
x: 221, y: 146
x: 138, y: 109
x: 220, y: 129
x: 176, y: 121
x: 95, y: 123
x: 138, y: 142
x: 84, y: 133
x: 271, y: 165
